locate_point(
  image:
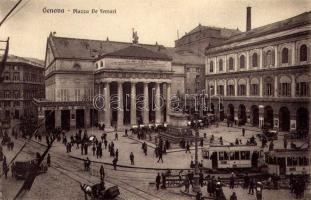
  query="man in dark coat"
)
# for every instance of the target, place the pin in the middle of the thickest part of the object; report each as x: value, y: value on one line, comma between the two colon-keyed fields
x: 158, y: 181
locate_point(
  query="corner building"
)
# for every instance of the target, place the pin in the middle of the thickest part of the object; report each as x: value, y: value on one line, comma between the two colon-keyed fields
x: 262, y: 76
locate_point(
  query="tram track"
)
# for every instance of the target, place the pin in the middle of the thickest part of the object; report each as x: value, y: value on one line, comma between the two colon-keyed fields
x: 73, y: 171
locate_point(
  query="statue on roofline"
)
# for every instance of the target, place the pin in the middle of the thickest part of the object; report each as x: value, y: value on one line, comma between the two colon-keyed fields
x: 135, y: 37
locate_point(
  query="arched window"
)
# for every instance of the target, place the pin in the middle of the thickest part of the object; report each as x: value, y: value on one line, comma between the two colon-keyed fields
x: 242, y: 61
x: 211, y: 67
x: 303, y: 53
x: 285, y: 55
x: 255, y: 60
x: 230, y: 63
x: 101, y: 64
x: 220, y: 65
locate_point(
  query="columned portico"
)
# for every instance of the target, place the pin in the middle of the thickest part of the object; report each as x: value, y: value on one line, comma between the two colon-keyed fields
x: 168, y: 102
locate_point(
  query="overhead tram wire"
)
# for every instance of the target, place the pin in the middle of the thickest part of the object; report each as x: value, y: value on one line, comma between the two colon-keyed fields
x: 9, y: 13
x: 19, y: 9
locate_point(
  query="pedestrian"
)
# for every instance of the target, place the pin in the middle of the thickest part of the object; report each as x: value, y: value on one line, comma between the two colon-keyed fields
x: 145, y: 149
x: 251, y: 186
x: 187, y: 184
x: 105, y: 143
x: 48, y: 160
x: 233, y: 196
x: 5, y: 169
x: 114, y: 163
x: 117, y: 153
x: 209, y: 187
x: 163, y: 181
x: 116, y: 136
x: 201, y: 178
x: 88, y: 164
x: 93, y: 149
x: 232, y: 181
x: 102, y: 172
x: 188, y: 147
x: 160, y: 155
x: 132, y: 158
x: 158, y: 181
x: 198, y: 196
x: 243, y: 132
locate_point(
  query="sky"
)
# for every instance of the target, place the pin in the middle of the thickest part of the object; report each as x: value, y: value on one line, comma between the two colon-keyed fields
x: 154, y: 20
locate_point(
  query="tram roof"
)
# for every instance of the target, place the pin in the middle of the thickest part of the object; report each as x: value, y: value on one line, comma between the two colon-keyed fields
x: 232, y: 147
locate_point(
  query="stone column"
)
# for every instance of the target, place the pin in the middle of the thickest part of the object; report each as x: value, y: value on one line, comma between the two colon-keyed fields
x: 120, y: 106
x: 168, y: 102
x: 58, y: 118
x: 261, y: 115
x: 293, y: 122
x: 260, y: 59
x: 247, y: 87
x: 261, y: 87
x: 146, y: 105
x: 157, y: 104
x: 247, y: 61
x: 276, y: 61
x: 276, y: 123
x: 236, y: 87
x: 225, y: 88
x: 133, y: 103
x: 107, y: 105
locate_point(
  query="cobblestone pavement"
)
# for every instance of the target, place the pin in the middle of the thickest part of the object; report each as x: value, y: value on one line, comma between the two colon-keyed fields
x: 61, y: 181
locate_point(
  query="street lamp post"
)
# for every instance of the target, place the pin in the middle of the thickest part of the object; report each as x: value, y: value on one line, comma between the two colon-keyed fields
x: 196, y: 185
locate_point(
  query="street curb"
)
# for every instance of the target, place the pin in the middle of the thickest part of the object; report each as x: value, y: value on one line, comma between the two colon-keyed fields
x: 131, y: 167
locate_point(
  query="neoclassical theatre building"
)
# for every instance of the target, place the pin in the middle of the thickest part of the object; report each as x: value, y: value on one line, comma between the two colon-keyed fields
x: 262, y: 76
x: 131, y: 75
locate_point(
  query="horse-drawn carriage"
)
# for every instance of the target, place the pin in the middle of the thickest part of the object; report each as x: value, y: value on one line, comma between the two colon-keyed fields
x: 21, y: 169
x: 99, y: 191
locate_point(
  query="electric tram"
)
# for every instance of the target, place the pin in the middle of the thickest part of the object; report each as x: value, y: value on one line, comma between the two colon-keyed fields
x: 232, y: 156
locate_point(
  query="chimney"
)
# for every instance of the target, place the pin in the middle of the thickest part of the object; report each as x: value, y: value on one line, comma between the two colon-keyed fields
x: 248, y: 18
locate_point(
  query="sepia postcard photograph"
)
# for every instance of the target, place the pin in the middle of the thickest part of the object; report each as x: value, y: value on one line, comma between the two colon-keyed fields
x: 155, y: 99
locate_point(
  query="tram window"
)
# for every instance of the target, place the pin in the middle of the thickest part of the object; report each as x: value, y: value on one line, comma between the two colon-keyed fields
x: 295, y: 161
x: 289, y: 161
x: 221, y: 155
x: 226, y: 156
x: 248, y: 155
x: 205, y: 154
x: 245, y: 155
x: 237, y: 155
x: 300, y: 161
x: 305, y: 161
x: 231, y: 155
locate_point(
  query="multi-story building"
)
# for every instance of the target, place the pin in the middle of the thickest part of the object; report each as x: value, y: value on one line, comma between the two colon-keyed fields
x: 23, y: 80
x: 262, y: 76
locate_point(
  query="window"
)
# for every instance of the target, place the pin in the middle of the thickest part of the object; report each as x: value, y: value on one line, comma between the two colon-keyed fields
x: 16, y: 103
x: 268, y: 89
x: 212, y: 90
x: 220, y: 90
x: 188, y: 91
x: 269, y: 59
x: 220, y: 65
x: 101, y: 64
x: 285, y: 55
x: 16, y: 94
x: 303, y: 53
x: 255, y: 60
x: 245, y: 155
x: 198, y: 70
x: 7, y: 94
x: 254, y: 89
x: 231, y: 64
x: 242, y: 90
x: 302, y: 89
x: 7, y: 104
x: 242, y: 61
x: 7, y: 76
x: 211, y: 67
x: 285, y: 89
x: 230, y: 90
x: 16, y: 76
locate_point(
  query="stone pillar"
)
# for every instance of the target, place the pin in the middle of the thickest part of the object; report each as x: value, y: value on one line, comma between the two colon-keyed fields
x: 247, y: 87
x: 87, y: 116
x: 168, y: 102
x: 236, y: 62
x: 293, y: 86
x: 261, y: 87
x: 146, y: 105
x: 107, y: 108
x: 247, y: 60
x: 236, y: 87
x: 276, y: 61
x: 58, y: 118
x: 276, y: 86
x: 120, y: 123
x: 260, y: 59
x: 72, y: 118
x: 133, y: 104
x: 157, y: 104
x: 101, y: 114
x: 225, y: 88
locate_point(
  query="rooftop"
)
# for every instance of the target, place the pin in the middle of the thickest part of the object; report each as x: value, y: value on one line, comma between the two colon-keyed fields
x: 30, y: 61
